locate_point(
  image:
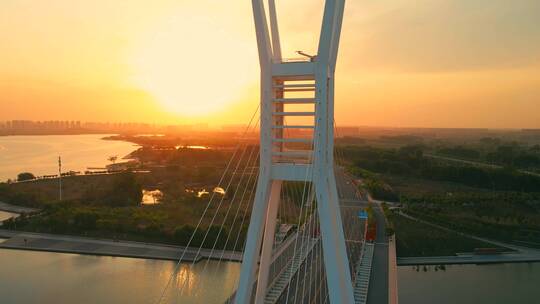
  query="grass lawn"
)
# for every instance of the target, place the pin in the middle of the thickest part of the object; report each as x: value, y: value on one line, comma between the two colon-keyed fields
x: 417, y: 239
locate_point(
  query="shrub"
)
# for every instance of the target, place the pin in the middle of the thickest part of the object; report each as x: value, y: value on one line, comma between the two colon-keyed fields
x: 85, y: 220
x: 183, y: 233
x: 124, y: 191
x: 25, y: 176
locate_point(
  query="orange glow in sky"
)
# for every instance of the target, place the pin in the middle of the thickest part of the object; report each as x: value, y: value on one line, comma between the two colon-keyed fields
x: 434, y: 63
x: 192, y: 63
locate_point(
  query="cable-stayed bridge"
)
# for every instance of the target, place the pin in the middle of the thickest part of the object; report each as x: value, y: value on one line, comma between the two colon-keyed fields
x: 299, y: 277
x: 297, y: 273
x: 297, y: 218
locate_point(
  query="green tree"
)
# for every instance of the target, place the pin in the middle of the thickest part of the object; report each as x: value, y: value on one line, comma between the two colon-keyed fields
x: 124, y: 191
x: 216, y: 235
x: 85, y: 220
x: 25, y: 176
x: 183, y: 233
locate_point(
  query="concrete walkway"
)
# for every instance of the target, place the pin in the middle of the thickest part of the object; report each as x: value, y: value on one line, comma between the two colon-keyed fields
x: 82, y: 245
x: 469, y: 259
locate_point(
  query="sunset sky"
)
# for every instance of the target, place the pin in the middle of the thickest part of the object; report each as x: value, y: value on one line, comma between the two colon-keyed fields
x: 425, y: 63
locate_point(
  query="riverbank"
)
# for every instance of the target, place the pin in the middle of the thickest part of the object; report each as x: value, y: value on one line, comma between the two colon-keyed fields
x: 469, y: 259
x: 104, y: 247
x: 16, y: 209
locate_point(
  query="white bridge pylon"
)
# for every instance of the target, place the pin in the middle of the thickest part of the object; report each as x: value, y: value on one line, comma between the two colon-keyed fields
x: 313, y: 163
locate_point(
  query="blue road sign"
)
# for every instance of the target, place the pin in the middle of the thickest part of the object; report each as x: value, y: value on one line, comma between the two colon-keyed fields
x: 363, y: 215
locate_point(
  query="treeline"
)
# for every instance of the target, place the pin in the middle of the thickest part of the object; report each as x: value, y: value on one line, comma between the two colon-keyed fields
x: 120, y: 190
x: 113, y: 210
x: 216, y: 237
x: 460, y: 152
x: 507, y: 216
x: 181, y: 156
x: 410, y: 161
x: 124, y: 190
x: 120, y: 223
x: 492, y: 151
x: 376, y: 186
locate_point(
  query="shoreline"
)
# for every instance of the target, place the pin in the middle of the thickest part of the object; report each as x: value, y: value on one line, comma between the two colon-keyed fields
x: 56, y: 134
x: 464, y: 260
x: 21, y: 240
x: 91, y: 146
x: 32, y: 241
x: 132, y: 249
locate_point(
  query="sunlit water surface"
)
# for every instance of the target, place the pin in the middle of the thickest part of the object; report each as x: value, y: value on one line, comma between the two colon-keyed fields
x: 39, y: 154
x: 151, y: 197
x: 71, y: 278
x: 6, y: 215
x: 517, y: 283
x: 51, y: 278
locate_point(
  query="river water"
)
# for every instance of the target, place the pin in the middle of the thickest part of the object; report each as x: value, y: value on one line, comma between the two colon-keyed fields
x: 49, y: 278
x: 517, y: 283
x: 36, y: 277
x: 39, y: 154
x: 43, y: 277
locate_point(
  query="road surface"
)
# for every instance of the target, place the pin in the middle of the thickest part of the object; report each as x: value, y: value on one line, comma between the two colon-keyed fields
x: 378, y: 285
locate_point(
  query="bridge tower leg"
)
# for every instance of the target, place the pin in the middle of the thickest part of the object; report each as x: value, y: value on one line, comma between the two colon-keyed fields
x: 314, y: 163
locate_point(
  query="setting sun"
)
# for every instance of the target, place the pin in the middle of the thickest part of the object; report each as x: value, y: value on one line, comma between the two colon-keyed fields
x: 194, y: 72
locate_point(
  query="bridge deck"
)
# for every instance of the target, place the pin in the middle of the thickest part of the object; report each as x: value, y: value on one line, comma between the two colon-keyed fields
x: 350, y: 205
x: 279, y: 285
x: 363, y: 273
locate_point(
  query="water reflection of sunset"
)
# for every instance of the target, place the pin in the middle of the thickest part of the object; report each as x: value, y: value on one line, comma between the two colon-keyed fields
x: 186, y: 280
x: 192, y: 281
x: 193, y: 147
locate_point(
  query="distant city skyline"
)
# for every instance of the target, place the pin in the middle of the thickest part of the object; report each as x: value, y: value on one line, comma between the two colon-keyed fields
x: 21, y: 126
x: 437, y: 63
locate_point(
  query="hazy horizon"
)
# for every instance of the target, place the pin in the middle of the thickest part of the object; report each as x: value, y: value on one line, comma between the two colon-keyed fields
x: 434, y: 64
x: 217, y: 127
